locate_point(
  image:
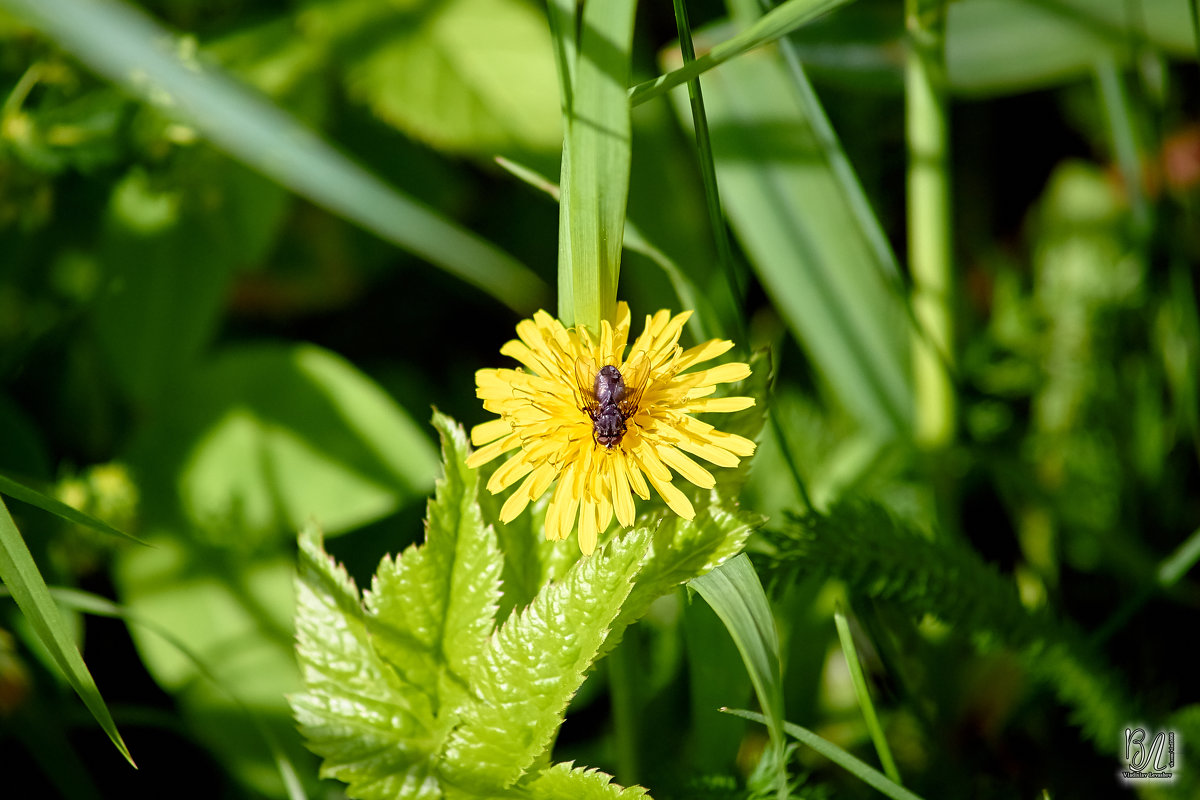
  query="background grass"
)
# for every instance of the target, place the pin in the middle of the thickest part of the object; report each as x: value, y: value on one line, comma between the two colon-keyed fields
x: 245, y: 246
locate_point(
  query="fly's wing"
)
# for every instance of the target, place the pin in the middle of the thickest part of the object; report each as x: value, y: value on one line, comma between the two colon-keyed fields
x: 637, y: 376
x: 585, y: 384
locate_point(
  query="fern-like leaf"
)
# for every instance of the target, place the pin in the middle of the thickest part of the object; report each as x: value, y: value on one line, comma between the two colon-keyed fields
x: 882, y: 558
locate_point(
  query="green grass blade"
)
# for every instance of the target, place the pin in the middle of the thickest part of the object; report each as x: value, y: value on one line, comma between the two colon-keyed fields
x: 20, y: 574
x: 864, y: 696
x: 597, y: 153
x: 1194, y: 6
x: 859, y: 769
x: 805, y: 240
x: 89, y: 603
x: 126, y: 46
x: 735, y: 593
x: 1170, y: 570
x: 779, y: 22
x: 1176, y: 565
x: 19, y: 491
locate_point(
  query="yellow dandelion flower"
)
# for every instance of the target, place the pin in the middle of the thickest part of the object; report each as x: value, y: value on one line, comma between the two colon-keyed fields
x: 602, y: 425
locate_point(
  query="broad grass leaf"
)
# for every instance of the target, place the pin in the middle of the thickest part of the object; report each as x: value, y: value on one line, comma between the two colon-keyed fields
x: 1011, y: 46
x: 736, y: 594
x: 805, y: 242
x: 534, y: 664
x: 597, y: 153
x: 126, y: 46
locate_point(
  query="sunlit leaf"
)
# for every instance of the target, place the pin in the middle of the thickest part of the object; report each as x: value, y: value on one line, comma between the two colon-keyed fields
x: 535, y: 662
x: 472, y: 76
x: 263, y: 439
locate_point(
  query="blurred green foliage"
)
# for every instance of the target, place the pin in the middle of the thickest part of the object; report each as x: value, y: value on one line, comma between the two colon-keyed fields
x: 216, y: 328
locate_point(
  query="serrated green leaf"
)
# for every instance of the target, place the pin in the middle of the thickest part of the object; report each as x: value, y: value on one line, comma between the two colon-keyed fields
x: 433, y: 608
x: 530, y: 559
x: 375, y: 731
x: 564, y: 781
x: 534, y: 664
x: 681, y: 550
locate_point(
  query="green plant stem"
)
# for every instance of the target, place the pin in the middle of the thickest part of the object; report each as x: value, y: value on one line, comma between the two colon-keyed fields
x: 623, y: 689
x: 929, y: 249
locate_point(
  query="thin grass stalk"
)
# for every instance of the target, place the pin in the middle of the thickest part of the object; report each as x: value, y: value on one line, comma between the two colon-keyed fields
x: 864, y: 696
x: 1170, y: 571
x: 708, y: 170
x: 1114, y: 99
x: 868, y: 223
x: 929, y: 240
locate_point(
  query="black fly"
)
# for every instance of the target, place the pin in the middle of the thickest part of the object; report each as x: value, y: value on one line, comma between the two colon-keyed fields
x: 608, y: 422
x: 610, y: 402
